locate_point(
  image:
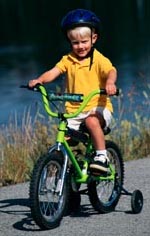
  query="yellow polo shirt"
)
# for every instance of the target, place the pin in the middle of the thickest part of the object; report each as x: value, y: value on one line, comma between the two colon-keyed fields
x: 79, y: 79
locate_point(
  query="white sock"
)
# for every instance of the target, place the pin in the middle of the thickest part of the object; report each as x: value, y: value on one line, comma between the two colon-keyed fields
x: 101, y: 152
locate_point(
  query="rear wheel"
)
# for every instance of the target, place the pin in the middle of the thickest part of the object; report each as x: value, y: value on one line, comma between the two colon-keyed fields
x: 104, y: 195
x: 47, y: 205
x: 74, y: 202
x: 73, y: 194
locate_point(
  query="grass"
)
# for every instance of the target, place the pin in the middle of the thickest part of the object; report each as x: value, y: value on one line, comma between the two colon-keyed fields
x: 133, y: 138
x: 20, y: 147
x: 21, y: 144
x: 133, y: 134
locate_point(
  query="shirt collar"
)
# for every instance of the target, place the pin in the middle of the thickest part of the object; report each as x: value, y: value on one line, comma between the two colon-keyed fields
x: 86, y: 61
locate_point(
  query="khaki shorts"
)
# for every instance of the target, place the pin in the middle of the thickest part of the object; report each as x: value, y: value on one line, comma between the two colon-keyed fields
x: 74, y: 123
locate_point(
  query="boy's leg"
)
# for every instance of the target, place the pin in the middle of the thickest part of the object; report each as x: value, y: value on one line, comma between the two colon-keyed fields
x: 95, y: 123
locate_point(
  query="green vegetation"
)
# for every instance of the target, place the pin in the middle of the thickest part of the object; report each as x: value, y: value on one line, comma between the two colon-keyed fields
x: 133, y: 137
x: 21, y: 144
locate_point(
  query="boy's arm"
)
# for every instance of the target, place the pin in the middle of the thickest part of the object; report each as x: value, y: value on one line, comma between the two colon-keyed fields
x: 46, y: 77
x: 110, y: 82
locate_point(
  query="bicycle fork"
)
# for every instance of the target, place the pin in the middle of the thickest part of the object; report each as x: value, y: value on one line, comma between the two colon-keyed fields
x: 60, y: 184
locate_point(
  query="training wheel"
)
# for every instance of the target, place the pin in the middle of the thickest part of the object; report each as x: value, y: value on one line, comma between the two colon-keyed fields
x: 137, y: 201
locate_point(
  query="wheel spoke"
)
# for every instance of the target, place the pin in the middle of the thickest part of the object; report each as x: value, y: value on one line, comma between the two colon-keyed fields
x: 104, y: 195
x: 47, y: 206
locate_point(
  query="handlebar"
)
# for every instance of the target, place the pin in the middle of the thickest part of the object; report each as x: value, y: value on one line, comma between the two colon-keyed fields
x: 49, y: 97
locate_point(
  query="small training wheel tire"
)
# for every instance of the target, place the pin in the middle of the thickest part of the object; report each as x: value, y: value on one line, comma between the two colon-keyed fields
x: 137, y: 201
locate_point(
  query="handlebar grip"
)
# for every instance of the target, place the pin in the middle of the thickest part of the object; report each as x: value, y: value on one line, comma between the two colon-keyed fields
x: 35, y: 88
x: 24, y: 86
x: 117, y: 92
x: 103, y: 92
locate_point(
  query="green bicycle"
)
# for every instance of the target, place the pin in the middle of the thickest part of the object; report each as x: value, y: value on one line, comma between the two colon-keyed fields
x: 57, y: 178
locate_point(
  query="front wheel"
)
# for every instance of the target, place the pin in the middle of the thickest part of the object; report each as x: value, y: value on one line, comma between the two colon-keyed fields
x: 104, y: 195
x: 47, y: 205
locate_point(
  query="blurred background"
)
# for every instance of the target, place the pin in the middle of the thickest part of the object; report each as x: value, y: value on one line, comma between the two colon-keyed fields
x: 31, y: 42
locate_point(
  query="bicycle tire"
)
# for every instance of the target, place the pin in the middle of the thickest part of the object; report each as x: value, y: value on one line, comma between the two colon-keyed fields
x: 74, y: 203
x: 137, y: 201
x: 47, y: 207
x: 104, y: 195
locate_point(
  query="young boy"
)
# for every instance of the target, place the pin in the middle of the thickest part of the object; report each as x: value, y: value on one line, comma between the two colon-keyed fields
x: 86, y: 70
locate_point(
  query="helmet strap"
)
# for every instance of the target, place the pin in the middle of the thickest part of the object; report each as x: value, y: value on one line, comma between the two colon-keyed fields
x: 91, y: 53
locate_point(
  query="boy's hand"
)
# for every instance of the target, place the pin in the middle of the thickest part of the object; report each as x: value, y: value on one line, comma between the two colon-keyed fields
x: 33, y: 82
x: 111, y: 89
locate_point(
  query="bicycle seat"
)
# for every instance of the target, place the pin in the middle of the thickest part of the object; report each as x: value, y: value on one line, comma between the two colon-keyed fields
x: 81, y: 135
x: 76, y: 136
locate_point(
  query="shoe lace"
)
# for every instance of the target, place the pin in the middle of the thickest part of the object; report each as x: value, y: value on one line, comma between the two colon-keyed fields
x: 101, y: 157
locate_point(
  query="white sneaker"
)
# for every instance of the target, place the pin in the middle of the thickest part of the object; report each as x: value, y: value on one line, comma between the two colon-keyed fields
x: 100, y: 163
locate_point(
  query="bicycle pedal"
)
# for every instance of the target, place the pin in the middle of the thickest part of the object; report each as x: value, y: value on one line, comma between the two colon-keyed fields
x: 98, y: 173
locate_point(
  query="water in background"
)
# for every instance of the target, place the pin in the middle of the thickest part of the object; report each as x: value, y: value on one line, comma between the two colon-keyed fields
x: 133, y: 80
x: 31, y: 41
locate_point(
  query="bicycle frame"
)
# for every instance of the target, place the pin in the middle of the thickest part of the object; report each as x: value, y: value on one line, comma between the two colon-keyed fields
x: 62, y: 144
x: 57, y: 175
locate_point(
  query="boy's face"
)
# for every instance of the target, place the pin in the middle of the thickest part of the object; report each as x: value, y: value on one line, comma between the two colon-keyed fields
x: 81, y: 46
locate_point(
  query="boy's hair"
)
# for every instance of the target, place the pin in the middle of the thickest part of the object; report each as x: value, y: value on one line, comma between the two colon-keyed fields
x: 79, y: 31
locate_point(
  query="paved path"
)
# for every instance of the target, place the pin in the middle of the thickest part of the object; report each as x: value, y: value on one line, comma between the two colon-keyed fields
x: 15, y: 218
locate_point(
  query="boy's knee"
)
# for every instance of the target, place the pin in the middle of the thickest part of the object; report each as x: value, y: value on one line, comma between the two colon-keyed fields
x: 94, y: 121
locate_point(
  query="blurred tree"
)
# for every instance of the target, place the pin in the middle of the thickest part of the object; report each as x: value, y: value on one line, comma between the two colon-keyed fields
x: 37, y: 23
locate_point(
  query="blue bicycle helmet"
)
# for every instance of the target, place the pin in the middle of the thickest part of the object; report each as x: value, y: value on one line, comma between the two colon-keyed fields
x: 80, y: 17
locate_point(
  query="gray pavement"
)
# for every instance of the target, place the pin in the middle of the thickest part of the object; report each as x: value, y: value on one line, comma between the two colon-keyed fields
x: 15, y: 217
